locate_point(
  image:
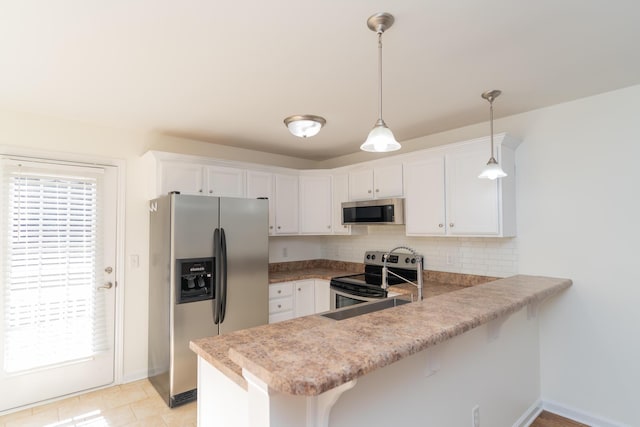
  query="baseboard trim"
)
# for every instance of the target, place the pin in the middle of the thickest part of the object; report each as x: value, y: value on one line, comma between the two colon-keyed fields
x: 529, y: 415
x: 134, y: 376
x: 578, y: 415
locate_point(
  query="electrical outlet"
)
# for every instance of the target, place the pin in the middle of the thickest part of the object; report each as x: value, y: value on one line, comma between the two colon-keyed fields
x: 449, y: 259
x: 475, y: 416
x: 285, y: 252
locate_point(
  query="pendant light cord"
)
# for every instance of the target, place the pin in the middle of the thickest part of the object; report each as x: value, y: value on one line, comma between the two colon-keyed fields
x: 380, y: 121
x: 491, y: 124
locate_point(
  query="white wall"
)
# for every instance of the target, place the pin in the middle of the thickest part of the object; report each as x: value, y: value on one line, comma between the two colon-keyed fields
x: 579, y: 217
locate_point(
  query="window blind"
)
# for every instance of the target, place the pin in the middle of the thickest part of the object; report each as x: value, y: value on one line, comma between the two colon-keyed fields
x: 51, y: 243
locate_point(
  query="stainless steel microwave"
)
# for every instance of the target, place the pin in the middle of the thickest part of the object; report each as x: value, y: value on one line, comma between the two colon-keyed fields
x: 380, y: 211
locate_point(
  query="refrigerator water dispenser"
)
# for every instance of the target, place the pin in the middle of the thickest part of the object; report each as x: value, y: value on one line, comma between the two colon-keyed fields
x: 195, y: 280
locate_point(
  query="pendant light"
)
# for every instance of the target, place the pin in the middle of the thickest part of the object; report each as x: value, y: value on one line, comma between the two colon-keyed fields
x: 493, y: 169
x: 380, y: 139
x: 304, y: 126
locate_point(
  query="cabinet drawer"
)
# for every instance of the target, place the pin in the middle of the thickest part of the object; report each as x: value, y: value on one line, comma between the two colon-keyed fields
x: 279, y: 317
x: 280, y: 304
x: 280, y: 290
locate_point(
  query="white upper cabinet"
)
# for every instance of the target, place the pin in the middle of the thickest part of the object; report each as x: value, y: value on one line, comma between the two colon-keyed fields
x: 380, y: 182
x: 315, y: 204
x: 193, y: 178
x: 424, y: 206
x: 183, y: 177
x: 260, y: 185
x: 340, y: 194
x: 472, y: 203
x: 286, y: 204
x: 225, y: 182
x: 444, y: 195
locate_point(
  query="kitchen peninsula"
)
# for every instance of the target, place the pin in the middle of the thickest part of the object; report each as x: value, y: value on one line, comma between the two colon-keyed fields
x: 425, y: 363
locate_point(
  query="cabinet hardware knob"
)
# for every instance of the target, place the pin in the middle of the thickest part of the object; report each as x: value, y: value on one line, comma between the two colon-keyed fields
x: 369, y: 191
x: 329, y: 227
x: 278, y: 227
x: 450, y: 224
x: 440, y: 225
x: 210, y: 191
x: 299, y: 289
x: 279, y: 291
x: 271, y: 227
x: 200, y: 190
x: 279, y: 306
x: 377, y: 190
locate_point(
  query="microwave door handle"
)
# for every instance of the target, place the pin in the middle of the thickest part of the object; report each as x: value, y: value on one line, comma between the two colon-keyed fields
x: 217, y: 276
x: 223, y: 285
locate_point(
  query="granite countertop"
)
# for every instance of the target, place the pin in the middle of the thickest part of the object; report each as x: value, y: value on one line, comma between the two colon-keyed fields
x: 313, y: 354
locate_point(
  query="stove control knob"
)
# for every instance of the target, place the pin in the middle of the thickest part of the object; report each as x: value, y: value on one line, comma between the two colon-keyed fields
x: 368, y: 256
x: 413, y: 260
x: 373, y: 257
x: 406, y: 260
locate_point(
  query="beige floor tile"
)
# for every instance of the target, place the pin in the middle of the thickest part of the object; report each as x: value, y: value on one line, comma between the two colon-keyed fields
x: 149, y: 407
x: 77, y: 408
x: 35, y: 420
x: 121, y: 416
x: 15, y: 416
x: 123, y: 397
x: 182, y: 416
x: 154, y: 421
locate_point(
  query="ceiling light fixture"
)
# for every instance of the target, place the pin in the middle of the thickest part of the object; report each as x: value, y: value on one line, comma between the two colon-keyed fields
x: 305, y: 125
x: 380, y: 139
x: 493, y: 169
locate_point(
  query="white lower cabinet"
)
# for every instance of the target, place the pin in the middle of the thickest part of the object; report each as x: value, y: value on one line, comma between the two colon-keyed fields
x: 323, y: 295
x: 298, y: 298
x: 304, y: 297
x: 280, y: 302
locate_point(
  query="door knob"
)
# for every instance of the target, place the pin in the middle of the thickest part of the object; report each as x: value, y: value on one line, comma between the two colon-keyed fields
x: 107, y: 285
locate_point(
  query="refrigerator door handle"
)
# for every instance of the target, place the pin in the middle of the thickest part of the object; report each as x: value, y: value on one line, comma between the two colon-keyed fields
x: 218, y: 275
x: 223, y: 285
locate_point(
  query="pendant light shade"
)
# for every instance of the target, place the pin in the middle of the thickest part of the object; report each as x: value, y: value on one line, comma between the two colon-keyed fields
x: 492, y: 170
x: 380, y: 139
x: 304, y: 126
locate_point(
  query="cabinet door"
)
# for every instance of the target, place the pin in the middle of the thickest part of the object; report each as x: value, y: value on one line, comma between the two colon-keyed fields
x: 322, y: 295
x: 304, y: 297
x: 286, y: 201
x: 472, y: 203
x: 361, y: 185
x: 315, y: 204
x: 387, y: 181
x: 260, y: 184
x: 225, y: 182
x: 183, y: 177
x: 424, y: 209
x: 340, y: 194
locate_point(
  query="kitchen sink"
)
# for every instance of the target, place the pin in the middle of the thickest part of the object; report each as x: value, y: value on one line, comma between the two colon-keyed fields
x: 367, y: 307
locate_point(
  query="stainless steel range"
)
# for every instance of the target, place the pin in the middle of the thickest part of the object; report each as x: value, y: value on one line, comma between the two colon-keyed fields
x: 368, y: 286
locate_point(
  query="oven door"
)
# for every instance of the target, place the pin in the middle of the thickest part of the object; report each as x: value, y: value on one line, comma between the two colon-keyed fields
x: 341, y: 299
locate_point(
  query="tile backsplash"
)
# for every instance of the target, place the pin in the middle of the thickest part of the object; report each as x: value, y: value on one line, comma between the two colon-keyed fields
x: 469, y: 255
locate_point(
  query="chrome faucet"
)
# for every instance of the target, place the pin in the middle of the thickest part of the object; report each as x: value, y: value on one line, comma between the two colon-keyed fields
x: 386, y: 271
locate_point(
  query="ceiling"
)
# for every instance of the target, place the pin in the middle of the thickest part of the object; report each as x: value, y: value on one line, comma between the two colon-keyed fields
x: 229, y: 72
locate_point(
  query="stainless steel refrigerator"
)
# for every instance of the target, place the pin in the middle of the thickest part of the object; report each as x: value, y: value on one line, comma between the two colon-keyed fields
x: 208, y: 275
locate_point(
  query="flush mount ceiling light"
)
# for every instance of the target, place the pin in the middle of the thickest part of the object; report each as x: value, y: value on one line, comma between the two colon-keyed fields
x: 380, y: 139
x: 305, y: 125
x: 493, y: 169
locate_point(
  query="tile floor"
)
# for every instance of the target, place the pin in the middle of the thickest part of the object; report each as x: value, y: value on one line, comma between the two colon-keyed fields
x: 133, y: 404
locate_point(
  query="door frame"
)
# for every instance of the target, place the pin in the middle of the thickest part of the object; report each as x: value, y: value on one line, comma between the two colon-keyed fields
x: 120, y: 165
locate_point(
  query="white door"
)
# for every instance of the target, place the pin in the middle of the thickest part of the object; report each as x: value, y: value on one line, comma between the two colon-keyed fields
x: 57, y: 263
